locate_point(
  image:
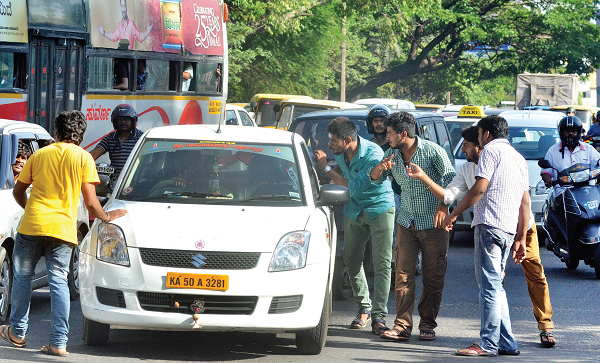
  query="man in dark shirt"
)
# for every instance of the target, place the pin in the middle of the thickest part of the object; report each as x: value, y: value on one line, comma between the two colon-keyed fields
x: 119, y: 143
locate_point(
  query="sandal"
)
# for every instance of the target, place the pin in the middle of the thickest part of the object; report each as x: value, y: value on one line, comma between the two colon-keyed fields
x: 427, y: 335
x: 358, y: 323
x: 475, y: 351
x: 49, y: 350
x: 5, y: 334
x: 395, y: 335
x: 380, y: 323
x: 547, y: 339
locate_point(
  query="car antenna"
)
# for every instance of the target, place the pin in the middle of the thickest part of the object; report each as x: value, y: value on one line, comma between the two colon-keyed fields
x: 219, y: 128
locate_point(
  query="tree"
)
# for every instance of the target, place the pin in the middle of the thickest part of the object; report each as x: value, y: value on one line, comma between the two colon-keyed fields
x: 507, y: 37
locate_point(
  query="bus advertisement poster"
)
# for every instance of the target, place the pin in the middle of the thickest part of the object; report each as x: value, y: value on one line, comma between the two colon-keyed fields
x: 13, y: 21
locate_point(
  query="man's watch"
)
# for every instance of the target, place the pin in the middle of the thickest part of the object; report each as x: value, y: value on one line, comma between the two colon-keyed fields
x: 327, y: 168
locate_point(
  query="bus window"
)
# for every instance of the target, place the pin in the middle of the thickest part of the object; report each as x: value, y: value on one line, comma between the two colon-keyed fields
x: 209, y: 78
x: 121, y: 74
x: 157, y: 75
x: 100, y: 73
x: 12, y: 70
x: 188, y: 84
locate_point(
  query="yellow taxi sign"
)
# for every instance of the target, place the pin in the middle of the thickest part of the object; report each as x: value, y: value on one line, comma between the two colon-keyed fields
x: 471, y: 111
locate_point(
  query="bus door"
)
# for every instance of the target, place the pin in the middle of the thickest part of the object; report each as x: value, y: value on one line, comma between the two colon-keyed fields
x: 55, y: 79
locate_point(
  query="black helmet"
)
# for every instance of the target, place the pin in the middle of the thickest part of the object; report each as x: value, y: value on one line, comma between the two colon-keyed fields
x: 124, y: 110
x: 376, y: 111
x: 570, y: 109
x: 570, y: 122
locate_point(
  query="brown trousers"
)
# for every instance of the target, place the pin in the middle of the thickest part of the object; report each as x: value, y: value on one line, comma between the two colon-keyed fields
x: 536, y: 281
x: 433, y: 244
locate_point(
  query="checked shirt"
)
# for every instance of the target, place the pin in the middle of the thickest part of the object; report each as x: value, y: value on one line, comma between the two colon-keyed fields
x: 418, y: 203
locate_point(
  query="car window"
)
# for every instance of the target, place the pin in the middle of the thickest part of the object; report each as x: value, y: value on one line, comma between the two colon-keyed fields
x: 314, y: 181
x: 192, y: 172
x: 230, y: 118
x: 246, y: 119
x: 444, y: 140
x: 428, y: 132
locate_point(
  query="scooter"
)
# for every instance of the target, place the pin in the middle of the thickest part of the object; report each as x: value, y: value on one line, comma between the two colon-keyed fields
x: 571, y: 217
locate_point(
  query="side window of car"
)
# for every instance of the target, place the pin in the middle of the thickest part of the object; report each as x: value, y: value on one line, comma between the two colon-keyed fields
x: 444, y: 139
x: 230, y: 118
x: 428, y: 131
x: 314, y: 181
x: 246, y: 120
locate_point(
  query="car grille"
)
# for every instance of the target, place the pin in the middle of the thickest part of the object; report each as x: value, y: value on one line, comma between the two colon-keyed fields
x: 285, y: 304
x: 220, y: 305
x: 212, y: 260
x: 110, y: 297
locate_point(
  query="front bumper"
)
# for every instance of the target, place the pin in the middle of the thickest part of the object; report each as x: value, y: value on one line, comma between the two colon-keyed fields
x: 257, y: 288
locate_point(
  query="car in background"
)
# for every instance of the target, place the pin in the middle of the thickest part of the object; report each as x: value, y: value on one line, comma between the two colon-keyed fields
x: 389, y: 102
x: 537, y: 108
x: 237, y: 116
x: 11, y: 213
x: 429, y: 107
x: 531, y: 133
x: 262, y: 105
x: 313, y: 128
x: 229, y: 233
x: 467, y: 115
x: 291, y: 108
x: 585, y: 113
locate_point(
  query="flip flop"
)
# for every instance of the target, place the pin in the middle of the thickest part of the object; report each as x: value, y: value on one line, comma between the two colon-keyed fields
x: 546, y: 343
x: 47, y: 349
x: 400, y: 336
x: 5, y: 334
x: 380, y: 329
x: 358, y: 323
x: 475, y: 351
x: 427, y: 335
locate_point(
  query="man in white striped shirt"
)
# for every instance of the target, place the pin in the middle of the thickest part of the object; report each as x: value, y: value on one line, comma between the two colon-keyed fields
x: 501, y: 198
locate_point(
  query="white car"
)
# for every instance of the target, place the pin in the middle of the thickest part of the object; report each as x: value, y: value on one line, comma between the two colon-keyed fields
x: 389, y: 102
x: 531, y: 133
x: 236, y: 115
x: 227, y: 230
x: 11, y: 213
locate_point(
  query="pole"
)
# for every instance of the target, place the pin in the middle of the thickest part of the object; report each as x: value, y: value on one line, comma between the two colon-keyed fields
x: 343, y: 73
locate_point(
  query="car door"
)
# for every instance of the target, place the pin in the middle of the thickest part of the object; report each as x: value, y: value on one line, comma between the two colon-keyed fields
x: 444, y: 137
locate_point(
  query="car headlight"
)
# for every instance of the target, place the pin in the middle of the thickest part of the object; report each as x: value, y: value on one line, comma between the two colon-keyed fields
x: 290, y: 253
x: 540, y: 188
x: 580, y: 176
x: 112, y: 247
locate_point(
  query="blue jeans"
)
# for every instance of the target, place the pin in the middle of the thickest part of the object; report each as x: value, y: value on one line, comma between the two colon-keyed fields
x: 26, y: 254
x: 492, y: 249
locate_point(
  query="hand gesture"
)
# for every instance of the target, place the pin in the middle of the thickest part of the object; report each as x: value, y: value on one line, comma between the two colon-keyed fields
x: 387, y: 163
x: 321, y: 158
x: 414, y: 171
x: 116, y: 213
x: 447, y: 223
x: 440, y: 214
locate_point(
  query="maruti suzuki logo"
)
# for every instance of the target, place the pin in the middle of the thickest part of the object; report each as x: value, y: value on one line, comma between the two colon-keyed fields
x: 198, y: 260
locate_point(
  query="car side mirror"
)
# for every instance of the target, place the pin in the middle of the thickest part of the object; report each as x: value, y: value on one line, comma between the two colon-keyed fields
x: 544, y: 164
x: 102, y: 188
x: 333, y: 195
x: 253, y: 106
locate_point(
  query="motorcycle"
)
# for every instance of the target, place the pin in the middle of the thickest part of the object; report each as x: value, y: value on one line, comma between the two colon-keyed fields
x: 571, y: 217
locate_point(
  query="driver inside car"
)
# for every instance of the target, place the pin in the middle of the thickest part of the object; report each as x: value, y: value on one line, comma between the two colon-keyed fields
x: 569, y: 150
x: 23, y: 153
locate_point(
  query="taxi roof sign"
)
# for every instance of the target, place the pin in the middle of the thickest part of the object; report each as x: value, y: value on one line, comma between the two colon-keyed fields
x: 471, y: 111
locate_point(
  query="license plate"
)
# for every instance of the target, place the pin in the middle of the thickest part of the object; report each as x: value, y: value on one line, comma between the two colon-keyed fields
x: 105, y: 169
x: 197, y: 281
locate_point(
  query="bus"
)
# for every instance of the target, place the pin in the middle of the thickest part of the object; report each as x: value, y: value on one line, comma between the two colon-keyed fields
x: 166, y: 58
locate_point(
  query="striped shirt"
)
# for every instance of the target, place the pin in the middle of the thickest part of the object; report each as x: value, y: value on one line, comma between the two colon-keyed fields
x: 506, y: 171
x: 418, y: 204
x: 118, y: 151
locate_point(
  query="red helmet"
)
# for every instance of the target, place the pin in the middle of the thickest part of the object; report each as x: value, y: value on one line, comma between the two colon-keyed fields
x: 124, y: 110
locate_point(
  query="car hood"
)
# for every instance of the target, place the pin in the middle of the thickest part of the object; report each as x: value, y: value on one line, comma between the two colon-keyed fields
x: 207, y: 227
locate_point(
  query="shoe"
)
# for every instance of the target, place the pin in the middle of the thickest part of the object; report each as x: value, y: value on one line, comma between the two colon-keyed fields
x: 358, y: 323
x: 508, y: 352
x: 5, y: 334
x: 427, y: 335
x: 475, y: 351
x: 381, y: 326
x: 47, y: 349
x: 395, y: 335
x: 545, y: 339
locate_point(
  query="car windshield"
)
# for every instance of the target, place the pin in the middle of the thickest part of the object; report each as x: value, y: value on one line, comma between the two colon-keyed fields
x: 314, y: 132
x: 531, y: 142
x: 455, y: 128
x: 202, y: 172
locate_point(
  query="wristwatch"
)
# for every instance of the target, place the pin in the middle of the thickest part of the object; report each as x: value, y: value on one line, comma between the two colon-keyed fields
x: 327, y: 168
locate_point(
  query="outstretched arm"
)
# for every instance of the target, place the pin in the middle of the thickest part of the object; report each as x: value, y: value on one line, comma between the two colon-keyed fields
x: 415, y: 171
x: 145, y: 34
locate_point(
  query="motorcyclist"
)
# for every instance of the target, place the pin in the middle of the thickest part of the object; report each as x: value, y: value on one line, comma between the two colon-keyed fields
x: 120, y: 142
x: 569, y: 151
x: 375, y: 125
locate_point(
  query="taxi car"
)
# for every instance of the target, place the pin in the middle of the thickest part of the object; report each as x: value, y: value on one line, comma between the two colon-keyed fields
x: 584, y: 113
x: 11, y: 214
x: 262, y: 105
x: 291, y: 108
x: 227, y: 229
x: 531, y: 133
x: 467, y: 115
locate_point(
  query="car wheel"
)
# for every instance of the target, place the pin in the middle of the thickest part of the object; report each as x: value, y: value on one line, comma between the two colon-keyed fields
x: 341, y: 288
x: 312, y: 341
x: 73, y: 276
x: 572, y: 264
x: 5, y: 285
x: 597, y: 260
x: 95, y: 333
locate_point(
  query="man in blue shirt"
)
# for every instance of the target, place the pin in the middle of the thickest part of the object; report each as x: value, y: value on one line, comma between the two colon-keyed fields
x: 370, y: 211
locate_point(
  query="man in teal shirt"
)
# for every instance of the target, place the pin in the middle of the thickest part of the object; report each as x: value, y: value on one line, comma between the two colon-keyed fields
x: 370, y: 211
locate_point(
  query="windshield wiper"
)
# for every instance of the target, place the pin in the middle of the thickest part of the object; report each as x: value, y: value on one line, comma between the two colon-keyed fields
x: 188, y: 194
x: 270, y: 197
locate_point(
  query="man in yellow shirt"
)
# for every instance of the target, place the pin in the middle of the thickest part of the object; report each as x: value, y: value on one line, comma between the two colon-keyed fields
x: 58, y: 173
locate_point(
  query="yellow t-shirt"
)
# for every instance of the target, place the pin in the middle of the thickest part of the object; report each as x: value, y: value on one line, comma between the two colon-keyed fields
x: 56, y: 173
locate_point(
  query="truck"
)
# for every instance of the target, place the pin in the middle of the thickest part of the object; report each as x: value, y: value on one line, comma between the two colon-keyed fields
x: 542, y: 89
